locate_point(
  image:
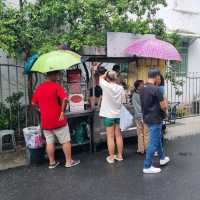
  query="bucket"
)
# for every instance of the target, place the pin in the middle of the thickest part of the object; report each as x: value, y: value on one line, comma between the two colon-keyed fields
x: 35, y: 156
x: 34, y: 145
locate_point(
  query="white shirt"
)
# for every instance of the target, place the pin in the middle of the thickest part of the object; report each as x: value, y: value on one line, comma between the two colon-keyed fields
x: 112, y: 99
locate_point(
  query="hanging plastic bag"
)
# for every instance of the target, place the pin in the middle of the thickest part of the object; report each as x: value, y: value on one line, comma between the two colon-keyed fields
x: 33, y: 137
x: 80, y: 134
x: 126, y: 119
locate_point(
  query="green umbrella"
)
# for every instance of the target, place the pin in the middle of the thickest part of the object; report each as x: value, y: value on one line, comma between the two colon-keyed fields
x: 56, y: 60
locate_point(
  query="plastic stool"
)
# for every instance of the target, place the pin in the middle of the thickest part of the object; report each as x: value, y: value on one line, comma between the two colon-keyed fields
x: 10, y: 133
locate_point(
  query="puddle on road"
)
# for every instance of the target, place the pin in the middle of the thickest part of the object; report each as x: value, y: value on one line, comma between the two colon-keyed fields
x: 185, y: 154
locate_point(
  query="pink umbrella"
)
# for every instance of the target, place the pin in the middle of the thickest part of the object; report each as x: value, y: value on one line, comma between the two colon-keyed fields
x: 153, y: 48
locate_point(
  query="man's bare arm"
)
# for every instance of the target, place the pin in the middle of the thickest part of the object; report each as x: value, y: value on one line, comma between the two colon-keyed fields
x: 63, y: 108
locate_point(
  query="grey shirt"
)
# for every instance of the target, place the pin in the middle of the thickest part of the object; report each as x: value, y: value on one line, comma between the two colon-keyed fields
x: 137, y: 105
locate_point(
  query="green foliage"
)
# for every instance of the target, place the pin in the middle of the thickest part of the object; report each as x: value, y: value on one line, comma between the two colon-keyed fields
x: 40, y: 27
x: 4, y: 116
x: 12, y: 112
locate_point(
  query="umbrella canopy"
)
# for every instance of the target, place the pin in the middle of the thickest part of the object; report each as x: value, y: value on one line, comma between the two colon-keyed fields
x: 153, y: 48
x: 29, y: 63
x: 56, y: 60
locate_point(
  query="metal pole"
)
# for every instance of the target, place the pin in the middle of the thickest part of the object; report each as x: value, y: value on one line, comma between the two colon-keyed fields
x: 193, y: 94
x: 17, y: 88
x: 1, y: 90
x: 167, y: 84
x: 178, y: 77
x: 9, y: 94
x: 186, y: 89
x: 26, y: 98
x: 196, y: 95
x: 175, y: 78
x: 189, y: 95
x: 182, y: 87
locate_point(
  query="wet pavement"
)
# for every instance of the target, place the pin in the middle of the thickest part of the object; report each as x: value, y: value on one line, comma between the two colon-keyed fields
x: 94, y: 179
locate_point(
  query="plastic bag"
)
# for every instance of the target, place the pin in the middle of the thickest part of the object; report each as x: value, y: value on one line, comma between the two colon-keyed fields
x: 80, y: 133
x: 33, y: 137
x: 126, y: 119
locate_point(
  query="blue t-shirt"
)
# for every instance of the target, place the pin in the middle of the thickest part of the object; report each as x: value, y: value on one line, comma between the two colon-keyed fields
x: 162, y: 90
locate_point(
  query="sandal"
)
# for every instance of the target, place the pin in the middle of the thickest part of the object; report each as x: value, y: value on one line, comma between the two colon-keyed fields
x: 109, y: 160
x: 72, y: 164
x: 118, y: 159
x: 53, y: 166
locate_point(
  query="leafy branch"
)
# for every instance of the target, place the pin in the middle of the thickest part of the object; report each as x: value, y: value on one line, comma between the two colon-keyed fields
x: 41, y: 26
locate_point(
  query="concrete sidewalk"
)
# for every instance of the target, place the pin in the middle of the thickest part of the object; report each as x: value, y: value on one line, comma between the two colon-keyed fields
x: 13, y: 159
x: 183, y: 127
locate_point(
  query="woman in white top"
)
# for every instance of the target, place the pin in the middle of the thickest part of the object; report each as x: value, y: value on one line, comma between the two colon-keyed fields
x: 112, y: 100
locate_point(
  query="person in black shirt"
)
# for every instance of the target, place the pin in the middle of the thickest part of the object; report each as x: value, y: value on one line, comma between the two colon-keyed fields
x: 96, y: 92
x: 153, y: 110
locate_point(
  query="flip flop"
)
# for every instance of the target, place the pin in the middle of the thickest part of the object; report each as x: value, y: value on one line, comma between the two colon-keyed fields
x: 118, y: 159
x: 53, y: 166
x: 72, y: 164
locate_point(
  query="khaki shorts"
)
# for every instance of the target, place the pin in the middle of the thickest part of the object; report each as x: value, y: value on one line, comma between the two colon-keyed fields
x: 61, y: 134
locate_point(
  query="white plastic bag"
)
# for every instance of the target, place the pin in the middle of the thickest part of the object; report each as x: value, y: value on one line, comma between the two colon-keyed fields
x: 126, y: 119
x: 33, y: 137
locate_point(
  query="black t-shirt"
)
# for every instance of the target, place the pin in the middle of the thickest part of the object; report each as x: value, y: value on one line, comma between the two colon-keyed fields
x: 150, y: 101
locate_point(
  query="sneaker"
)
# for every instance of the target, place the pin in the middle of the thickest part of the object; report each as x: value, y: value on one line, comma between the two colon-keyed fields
x: 109, y: 160
x: 52, y: 166
x: 72, y: 164
x: 151, y: 170
x: 118, y: 159
x: 164, y: 161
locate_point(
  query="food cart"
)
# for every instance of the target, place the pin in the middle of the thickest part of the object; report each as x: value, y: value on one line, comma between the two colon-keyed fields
x: 85, y: 124
x: 131, y: 69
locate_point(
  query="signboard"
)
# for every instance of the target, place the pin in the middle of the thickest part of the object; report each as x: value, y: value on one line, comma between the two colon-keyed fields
x: 74, y: 76
x: 117, y: 42
x: 76, y: 102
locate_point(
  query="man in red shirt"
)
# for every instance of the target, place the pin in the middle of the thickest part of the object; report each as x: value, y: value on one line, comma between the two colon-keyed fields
x: 51, y: 99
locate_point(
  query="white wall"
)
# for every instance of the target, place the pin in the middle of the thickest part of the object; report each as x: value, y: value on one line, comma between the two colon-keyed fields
x: 182, y: 15
x: 15, y: 3
x: 194, y: 56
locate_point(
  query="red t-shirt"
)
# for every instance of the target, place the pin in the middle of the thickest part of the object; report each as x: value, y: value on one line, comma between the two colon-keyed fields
x: 48, y: 96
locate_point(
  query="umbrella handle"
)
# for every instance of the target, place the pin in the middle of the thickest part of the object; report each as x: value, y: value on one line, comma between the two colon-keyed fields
x: 86, y: 72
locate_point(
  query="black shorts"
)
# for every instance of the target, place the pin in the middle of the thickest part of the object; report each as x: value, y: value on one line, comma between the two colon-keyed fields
x: 97, y: 91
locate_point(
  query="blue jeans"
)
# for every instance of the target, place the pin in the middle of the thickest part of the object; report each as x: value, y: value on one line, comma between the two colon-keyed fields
x: 155, y: 144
